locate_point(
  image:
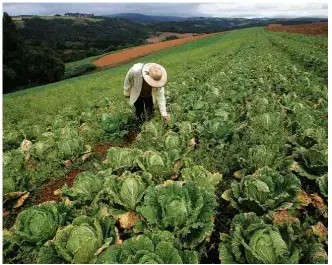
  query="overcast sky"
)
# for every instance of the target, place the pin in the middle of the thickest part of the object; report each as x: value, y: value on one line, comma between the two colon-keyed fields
x: 228, y: 8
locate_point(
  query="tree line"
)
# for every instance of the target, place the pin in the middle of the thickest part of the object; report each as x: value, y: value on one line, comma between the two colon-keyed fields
x: 26, y: 65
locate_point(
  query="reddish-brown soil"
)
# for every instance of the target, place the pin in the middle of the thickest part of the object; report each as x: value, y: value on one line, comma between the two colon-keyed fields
x: 164, y: 35
x: 102, y: 148
x: 47, y: 193
x: 127, y: 55
x: 309, y: 29
x: 130, y: 138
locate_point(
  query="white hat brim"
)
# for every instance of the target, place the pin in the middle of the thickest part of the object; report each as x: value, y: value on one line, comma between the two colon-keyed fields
x: 150, y: 80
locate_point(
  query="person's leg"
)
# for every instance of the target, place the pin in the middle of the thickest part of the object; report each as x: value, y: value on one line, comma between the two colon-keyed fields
x: 149, y: 108
x: 139, y: 105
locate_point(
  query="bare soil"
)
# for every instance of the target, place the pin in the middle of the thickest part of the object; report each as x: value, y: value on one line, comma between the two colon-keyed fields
x: 47, y: 192
x: 308, y: 29
x: 127, y: 55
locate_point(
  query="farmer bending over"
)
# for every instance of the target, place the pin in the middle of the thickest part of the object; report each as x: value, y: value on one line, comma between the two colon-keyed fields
x: 144, y: 83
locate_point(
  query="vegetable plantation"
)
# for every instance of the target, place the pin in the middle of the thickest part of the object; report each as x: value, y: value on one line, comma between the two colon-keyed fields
x: 237, y: 175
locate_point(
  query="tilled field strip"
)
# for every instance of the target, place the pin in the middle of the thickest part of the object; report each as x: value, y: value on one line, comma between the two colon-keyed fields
x: 309, y: 29
x: 132, y: 53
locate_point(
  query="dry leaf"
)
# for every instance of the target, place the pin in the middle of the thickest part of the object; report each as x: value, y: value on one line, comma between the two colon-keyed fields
x: 319, y: 255
x: 239, y: 174
x: 320, y: 230
x: 57, y: 192
x: 86, y: 156
x: 21, y: 200
x: 282, y: 217
x: 67, y: 201
x: 26, y: 145
x: 192, y: 142
x: 167, y: 182
x: 127, y: 220
x: 27, y: 156
x: 177, y: 165
x: 319, y: 203
x: 119, y: 242
x: 303, y: 198
x: 174, y: 177
x: 67, y: 163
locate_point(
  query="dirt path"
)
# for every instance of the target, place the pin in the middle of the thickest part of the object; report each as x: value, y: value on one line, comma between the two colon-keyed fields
x: 309, y: 29
x: 117, y: 58
x: 47, y: 192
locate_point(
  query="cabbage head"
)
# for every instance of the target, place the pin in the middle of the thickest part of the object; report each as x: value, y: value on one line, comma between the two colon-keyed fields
x: 39, y: 223
x: 69, y: 148
x: 315, y: 160
x: 277, y: 238
x: 216, y: 128
x: 185, y: 129
x: 251, y: 240
x: 143, y: 250
x: 263, y: 191
x: 264, y: 155
x: 123, y: 158
x: 79, y: 242
x: 203, y: 178
x: 39, y: 149
x: 173, y: 141
x: 85, y: 187
x: 111, y: 124
x: 181, y: 208
x: 127, y: 190
x: 158, y: 163
x: 13, y: 167
x: 152, y: 129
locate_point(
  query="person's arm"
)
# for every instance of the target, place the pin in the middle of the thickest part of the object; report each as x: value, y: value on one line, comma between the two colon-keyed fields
x: 128, y: 83
x: 160, y: 97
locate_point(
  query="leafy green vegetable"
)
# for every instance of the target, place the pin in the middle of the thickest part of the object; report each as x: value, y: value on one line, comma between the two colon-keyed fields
x: 79, y: 242
x: 127, y: 190
x: 39, y: 223
x: 253, y: 241
x: 203, y: 178
x: 273, y: 239
x: 123, y: 158
x: 141, y: 250
x: 181, y: 208
x: 85, y: 187
x: 265, y: 190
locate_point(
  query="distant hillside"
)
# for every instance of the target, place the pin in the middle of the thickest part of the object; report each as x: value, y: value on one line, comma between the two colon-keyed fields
x: 75, y: 38
x: 205, y: 24
x: 140, y: 18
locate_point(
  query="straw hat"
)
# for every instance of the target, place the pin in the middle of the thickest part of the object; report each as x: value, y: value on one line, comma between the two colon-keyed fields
x: 154, y: 74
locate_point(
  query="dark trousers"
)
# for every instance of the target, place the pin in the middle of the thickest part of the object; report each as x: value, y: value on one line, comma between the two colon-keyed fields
x: 144, y: 108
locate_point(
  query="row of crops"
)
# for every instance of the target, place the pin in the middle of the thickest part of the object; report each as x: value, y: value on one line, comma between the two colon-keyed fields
x: 237, y: 175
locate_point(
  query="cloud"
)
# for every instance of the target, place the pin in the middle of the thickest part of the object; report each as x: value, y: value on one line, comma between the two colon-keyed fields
x: 237, y: 8
x: 266, y: 9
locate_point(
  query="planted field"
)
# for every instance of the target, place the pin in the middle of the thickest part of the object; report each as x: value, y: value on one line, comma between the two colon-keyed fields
x: 237, y: 175
x: 164, y: 35
x: 308, y: 29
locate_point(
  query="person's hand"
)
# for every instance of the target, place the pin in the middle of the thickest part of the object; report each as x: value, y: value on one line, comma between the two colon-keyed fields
x: 165, y: 118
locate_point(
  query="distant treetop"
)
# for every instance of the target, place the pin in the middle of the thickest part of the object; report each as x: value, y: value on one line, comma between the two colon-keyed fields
x: 78, y: 15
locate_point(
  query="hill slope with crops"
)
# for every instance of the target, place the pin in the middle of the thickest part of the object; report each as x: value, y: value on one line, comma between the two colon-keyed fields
x: 237, y: 175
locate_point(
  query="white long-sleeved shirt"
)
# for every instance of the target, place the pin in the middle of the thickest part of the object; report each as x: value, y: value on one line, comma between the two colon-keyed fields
x: 133, y: 86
